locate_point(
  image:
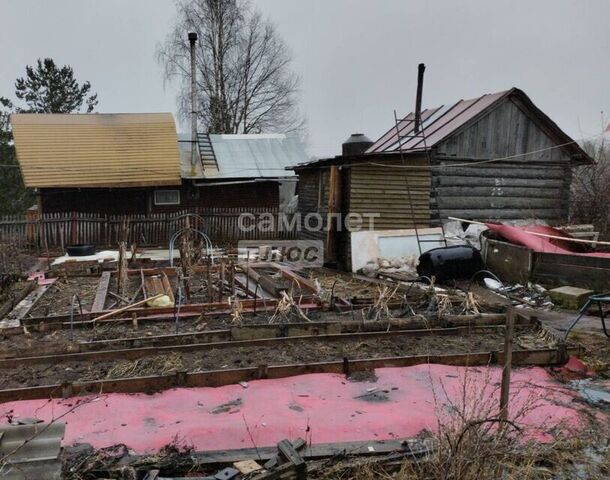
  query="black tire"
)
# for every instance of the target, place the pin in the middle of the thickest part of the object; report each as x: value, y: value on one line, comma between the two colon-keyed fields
x: 80, y: 250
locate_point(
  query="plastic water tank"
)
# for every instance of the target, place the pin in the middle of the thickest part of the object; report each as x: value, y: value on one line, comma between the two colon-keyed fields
x: 449, y: 263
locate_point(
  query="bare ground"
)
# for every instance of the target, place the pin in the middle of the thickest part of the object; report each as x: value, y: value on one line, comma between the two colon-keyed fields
x: 294, y: 352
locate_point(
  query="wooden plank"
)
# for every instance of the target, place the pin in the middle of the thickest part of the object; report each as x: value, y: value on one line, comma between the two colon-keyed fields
x: 100, y: 295
x: 14, y: 318
x: 508, y: 357
x: 218, y: 378
x: 124, y: 309
x: 265, y: 282
x: 558, y: 274
x: 288, y: 451
x: 314, y: 451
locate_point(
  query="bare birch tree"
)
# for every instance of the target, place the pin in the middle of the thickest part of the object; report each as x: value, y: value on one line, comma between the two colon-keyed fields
x: 244, y: 79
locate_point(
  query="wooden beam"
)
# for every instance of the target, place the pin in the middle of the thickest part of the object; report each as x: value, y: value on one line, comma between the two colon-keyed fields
x: 217, y: 378
x: 136, y: 353
x: 100, y: 294
x: 124, y: 309
x: 15, y: 317
x: 508, y: 357
x: 412, y: 447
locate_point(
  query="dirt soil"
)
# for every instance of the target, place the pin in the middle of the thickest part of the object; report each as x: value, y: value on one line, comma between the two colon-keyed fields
x: 12, y: 291
x: 58, y: 299
x: 294, y: 352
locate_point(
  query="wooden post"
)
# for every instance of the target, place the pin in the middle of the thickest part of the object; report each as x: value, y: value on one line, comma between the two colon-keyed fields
x: 222, y: 279
x: 334, y: 207
x: 232, y: 279
x: 122, y: 276
x: 209, y: 281
x: 508, y: 360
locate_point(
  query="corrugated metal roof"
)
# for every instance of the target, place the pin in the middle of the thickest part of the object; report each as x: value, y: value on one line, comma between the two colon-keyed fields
x: 34, y: 451
x: 251, y: 156
x: 97, y: 150
x: 437, y: 124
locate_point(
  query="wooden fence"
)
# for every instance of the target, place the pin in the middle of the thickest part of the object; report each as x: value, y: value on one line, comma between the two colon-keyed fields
x: 223, y: 226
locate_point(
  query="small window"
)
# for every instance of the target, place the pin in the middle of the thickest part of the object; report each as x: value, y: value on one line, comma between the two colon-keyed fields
x: 167, y: 197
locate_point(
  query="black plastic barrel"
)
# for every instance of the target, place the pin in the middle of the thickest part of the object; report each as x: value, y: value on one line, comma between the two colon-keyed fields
x: 450, y: 263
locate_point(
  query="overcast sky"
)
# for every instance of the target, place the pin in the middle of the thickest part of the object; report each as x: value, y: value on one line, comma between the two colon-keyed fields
x: 357, y: 58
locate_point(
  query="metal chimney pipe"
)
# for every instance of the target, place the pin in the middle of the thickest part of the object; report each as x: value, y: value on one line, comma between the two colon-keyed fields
x: 420, y: 86
x: 194, y: 155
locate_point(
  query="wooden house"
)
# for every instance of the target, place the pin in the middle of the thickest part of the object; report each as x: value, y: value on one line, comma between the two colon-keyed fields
x: 136, y: 164
x: 494, y: 157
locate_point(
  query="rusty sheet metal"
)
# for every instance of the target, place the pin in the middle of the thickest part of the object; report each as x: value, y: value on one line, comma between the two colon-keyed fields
x: 437, y: 124
x: 97, y: 150
x: 34, y: 451
x: 511, y: 263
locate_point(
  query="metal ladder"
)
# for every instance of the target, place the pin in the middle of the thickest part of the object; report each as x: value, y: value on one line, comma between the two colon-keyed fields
x: 436, y: 216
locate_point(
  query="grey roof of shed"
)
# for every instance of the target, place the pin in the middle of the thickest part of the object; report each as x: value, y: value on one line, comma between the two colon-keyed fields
x: 247, y: 156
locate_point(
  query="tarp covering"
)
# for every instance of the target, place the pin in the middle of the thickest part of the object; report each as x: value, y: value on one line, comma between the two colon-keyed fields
x: 520, y: 236
x: 322, y: 407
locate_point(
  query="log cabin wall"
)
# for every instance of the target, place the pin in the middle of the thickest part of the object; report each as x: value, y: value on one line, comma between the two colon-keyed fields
x: 533, y: 186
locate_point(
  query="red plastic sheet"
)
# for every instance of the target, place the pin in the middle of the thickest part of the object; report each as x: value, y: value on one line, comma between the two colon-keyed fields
x: 520, y: 236
x: 323, y: 408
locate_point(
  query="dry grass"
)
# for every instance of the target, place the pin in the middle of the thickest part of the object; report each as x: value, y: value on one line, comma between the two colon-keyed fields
x: 380, y: 310
x: 157, y: 365
x: 237, y: 309
x: 596, y: 350
x: 471, y: 443
x: 287, y: 309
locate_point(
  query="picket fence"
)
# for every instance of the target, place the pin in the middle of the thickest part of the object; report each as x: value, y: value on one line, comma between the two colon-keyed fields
x: 222, y: 225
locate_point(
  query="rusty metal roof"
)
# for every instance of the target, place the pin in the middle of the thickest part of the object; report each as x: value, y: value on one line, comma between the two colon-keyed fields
x: 437, y: 124
x: 97, y: 150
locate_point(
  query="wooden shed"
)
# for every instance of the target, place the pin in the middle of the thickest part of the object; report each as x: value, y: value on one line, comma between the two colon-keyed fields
x: 136, y: 164
x: 494, y: 157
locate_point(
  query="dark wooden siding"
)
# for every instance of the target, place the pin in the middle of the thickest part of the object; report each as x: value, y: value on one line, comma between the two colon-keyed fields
x: 245, y: 195
x: 532, y: 186
x: 117, y: 201
x: 313, y: 198
x: 506, y: 130
x: 139, y: 201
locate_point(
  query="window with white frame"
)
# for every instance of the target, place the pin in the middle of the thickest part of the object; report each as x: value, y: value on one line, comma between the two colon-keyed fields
x: 167, y: 197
